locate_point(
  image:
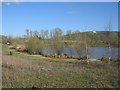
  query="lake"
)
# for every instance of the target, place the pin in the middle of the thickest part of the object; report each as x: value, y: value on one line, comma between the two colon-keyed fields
x: 94, y: 52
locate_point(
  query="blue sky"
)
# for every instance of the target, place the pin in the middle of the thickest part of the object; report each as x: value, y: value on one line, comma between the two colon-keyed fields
x: 49, y: 15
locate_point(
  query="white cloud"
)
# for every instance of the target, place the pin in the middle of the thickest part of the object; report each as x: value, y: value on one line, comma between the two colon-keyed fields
x: 7, y: 4
x: 72, y: 12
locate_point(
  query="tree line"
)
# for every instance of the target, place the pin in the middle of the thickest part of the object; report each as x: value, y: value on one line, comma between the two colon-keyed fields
x: 56, y: 39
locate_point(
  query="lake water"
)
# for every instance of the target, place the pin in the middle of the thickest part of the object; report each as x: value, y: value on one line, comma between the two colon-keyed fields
x: 94, y: 52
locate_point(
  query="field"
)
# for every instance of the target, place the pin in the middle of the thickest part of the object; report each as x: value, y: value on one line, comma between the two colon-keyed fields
x: 25, y: 71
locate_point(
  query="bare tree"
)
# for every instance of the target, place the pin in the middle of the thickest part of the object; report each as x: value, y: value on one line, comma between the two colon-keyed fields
x: 79, y: 45
x: 80, y: 50
x: 27, y: 32
x: 42, y: 34
x: 108, y: 29
x: 69, y: 32
x: 36, y: 34
x: 70, y: 39
x: 51, y: 34
x: 31, y: 33
x: 46, y: 34
x: 57, y: 33
x: 58, y: 44
x: 86, y: 46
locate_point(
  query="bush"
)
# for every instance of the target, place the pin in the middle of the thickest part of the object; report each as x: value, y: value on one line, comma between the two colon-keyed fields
x: 34, y: 46
x: 104, y: 59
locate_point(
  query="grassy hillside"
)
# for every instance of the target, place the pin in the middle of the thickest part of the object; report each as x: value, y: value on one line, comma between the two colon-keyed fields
x: 100, y: 38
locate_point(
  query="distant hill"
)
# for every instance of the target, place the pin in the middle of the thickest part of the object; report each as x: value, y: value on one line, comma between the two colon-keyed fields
x: 96, y: 38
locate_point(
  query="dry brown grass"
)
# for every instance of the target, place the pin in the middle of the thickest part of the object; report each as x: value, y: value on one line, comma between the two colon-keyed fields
x: 24, y: 73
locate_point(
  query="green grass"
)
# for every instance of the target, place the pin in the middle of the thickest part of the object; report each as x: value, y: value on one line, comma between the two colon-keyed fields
x: 24, y: 71
x: 6, y: 51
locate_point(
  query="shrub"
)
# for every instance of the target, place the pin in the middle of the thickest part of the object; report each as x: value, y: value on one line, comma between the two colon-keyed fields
x: 104, y: 59
x: 34, y: 46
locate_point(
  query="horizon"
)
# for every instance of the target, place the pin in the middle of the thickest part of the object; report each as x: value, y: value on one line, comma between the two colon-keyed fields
x: 82, y: 16
x: 22, y: 36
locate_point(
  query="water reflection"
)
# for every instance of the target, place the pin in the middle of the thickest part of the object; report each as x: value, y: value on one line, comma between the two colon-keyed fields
x: 94, y: 52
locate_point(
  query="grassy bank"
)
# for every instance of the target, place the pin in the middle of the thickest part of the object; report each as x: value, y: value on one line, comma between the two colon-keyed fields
x: 24, y: 71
